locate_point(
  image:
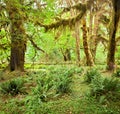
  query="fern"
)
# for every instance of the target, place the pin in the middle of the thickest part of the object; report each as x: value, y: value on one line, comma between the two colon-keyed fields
x: 63, y: 84
x: 12, y: 87
x: 106, y: 88
x: 90, y: 75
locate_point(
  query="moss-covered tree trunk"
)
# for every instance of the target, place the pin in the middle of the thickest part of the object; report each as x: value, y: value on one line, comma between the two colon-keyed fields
x: 17, y: 55
x: 113, y: 30
x: 95, y: 32
x: 95, y: 17
x: 17, y: 31
x: 77, y: 37
x: 90, y: 31
x: 89, y: 59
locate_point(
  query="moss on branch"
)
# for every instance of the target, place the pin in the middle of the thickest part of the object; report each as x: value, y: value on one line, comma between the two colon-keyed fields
x: 62, y: 22
x: 70, y: 21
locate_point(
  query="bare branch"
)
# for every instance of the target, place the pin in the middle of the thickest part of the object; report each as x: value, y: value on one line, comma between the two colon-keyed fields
x: 34, y: 44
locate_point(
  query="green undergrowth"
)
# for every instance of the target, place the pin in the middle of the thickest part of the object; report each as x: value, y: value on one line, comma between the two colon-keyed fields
x: 117, y: 73
x: 12, y: 87
x: 60, y: 90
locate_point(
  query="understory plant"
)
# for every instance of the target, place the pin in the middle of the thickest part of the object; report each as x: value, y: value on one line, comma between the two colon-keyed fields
x: 44, y: 88
x: 90, y: 75
x: 62, y: 79
x: 105, y: 89
x: 62, y: 71
x: 42, y: 93
x: 13, y: 87
x: 63, y: 84
x: 56, y: 82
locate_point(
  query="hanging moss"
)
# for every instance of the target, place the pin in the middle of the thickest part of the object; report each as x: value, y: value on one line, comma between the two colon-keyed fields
x: 70, y: 21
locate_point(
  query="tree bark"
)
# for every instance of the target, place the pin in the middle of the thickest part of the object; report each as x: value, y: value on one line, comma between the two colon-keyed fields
x: 95, y: 32
x: 17, y: 55
x: 90, y: 31
x: 89, y: 59
x: 18, y: 40
x: 77, y: 37
x: 113, y: 30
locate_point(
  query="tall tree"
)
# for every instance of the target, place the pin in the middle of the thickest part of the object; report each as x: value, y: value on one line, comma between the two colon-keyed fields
x: 76, y: 31
x: 89, y: 58
x: 113, y: 30
x: 17, y: 32
x: 96, y: 12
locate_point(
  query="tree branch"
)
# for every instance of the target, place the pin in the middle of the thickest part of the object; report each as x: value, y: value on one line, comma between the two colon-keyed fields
x: 70, y: 21
x: 35, y: 45
x: 62, y: 22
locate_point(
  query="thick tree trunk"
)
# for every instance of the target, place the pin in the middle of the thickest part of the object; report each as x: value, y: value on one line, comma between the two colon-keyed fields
x: 113, y: 30
x: 18, y: 40
x: 89, y: 59
x: 17, y: 55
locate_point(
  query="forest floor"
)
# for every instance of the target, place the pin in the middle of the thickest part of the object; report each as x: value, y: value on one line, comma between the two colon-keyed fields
x: 31, y: 100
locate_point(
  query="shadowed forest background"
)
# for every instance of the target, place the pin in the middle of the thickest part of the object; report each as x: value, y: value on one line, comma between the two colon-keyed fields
x: 59, y: 57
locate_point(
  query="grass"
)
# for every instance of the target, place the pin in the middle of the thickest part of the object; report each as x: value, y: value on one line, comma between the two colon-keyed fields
x: 76, y: 102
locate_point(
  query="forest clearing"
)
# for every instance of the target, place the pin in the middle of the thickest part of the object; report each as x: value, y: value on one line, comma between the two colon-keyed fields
x: 59, y: 57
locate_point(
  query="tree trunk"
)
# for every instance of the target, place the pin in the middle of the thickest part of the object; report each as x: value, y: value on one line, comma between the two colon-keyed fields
x: 18, y: 40
x: 66, y: 55
x: 89, y: 59
x: 95, y: 32
x: 77, y: 37
x: 97, y: 11
x: 113, y: 30
x: 17, y: 55
x: 90, y: 31
x: 76, y: 32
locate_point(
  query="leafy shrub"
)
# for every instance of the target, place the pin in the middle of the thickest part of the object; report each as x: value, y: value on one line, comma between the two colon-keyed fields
x: 90, y: 75
x: 44, y: 89
x: 105, y: 89
x: 12, y: 87
x: 63, y: 84
x: 55, y: 81
x: 40, y: 94
x: 62, y: 79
